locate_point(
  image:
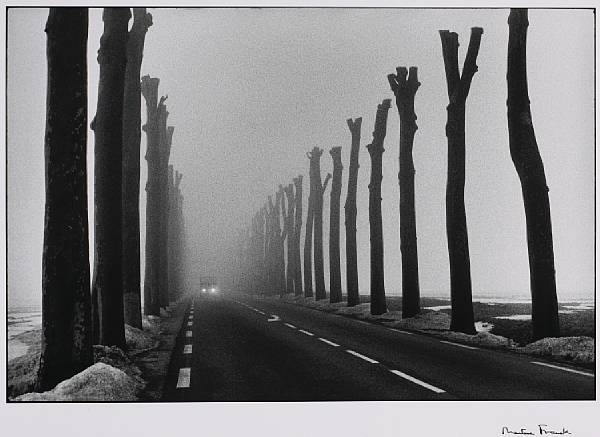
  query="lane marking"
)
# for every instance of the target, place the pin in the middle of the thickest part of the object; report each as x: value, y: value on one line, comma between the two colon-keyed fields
x: 400, y: 331
x: 187, y: 349
x: 183, y: 381
x: 289, y: 325
x: 188, y: 333
x: 306, y: 332
x: 258, y: 311
x: 459, y: 345
x: 433, y: 388
x: 331, y: 343
x: 190, y: 323
x: 273, y: 318
x: 566, y: 369
x: 362, y: 357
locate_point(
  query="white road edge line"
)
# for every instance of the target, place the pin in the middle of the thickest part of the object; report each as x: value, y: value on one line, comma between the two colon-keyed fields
x: 306, y: 332
x: 289, y: 325
x: 187, y: 349
x: 362, y: 357
x: 459, y: 345
x: 566, y: 369
x: 417, y: 381
x: 183, y: 381
x: 331, y: 343
x: 188, y: 333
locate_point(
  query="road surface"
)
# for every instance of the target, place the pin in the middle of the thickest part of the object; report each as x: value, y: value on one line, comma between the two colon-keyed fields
x: 238, y: 348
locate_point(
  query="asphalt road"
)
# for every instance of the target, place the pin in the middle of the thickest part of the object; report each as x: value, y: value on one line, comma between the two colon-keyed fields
x: 237, y: 348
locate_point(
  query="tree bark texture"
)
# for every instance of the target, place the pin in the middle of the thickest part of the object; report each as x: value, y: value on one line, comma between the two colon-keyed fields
x: 335, y: 274
x: 289, y: 230
x: 131, y: 168
x: 318, y: 191
x: 456, y: 223
x: 308, y: 236
x: 66, y: 318
x: 151, y: 283
x: 378, y: 303
x: 350, y: 215
x: 528, y: 163
x: 107, y: 288
x: 404, y: 84
x: 297, y: 233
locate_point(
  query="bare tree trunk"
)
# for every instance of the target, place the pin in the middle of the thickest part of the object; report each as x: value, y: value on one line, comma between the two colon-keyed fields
x: 151, y: 295
x: 107, y: 288
x: 66, y: 319
x: 171, y: 234
x: 131, y: 168
x: 530, y: 168
x: 308, y: 237
x: 271, y: 249
x: 456, y: 222
x: 318, y: 191
x: 378, y: 303
x: 280, y: 241
x: 350, y: 215
x: 405, y: 89
x: 335, y: 275
x: 291, y: 238
x: 297, y: 232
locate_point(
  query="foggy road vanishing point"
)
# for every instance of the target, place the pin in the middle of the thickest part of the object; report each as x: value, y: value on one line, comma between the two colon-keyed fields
x: 234, y: 348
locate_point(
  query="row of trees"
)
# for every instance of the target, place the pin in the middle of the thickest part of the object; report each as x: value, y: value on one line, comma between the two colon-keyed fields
x: 73, y: 316
x: 261, y: 264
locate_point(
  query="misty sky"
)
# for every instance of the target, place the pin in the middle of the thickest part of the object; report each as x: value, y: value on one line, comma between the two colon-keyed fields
x: 252, y: 90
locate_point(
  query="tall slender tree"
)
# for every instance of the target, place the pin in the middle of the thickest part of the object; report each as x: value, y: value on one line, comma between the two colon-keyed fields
x: 350, y: 215
x: 456, y: 222
x: 404, y: 84
x: 335, y: 275
x: 66, y: 318
x: 280, y: 237
x: 528, y: 163
x: 131, y: 168
x: 151, y: 284
x: 289, y: 229
x: 107, y: 288
x: 378, y: 303
x: 297, y: 234
x: 308, y: 236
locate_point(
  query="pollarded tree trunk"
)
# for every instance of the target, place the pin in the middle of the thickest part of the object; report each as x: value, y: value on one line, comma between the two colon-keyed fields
x: 378, y: 303
x: 335, y: 275
x: 271, y: 249
x: 166, y: 138
x: 171, y: 233
x: 131, y: 168
x: 66, y: 320
x: 291, y: 238
x: 350, y: 215
x: 308, y: 237
x: 263, y: 273
x: 280, y: 236
x: 319, y: 190
x: 151, y: 295
x: 405, y: 89
x: 530, y: 168
x: 297, y: 232
x: 456, y: 222
x: 107, y: 288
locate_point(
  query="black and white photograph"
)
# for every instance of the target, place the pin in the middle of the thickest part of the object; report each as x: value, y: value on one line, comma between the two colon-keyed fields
x: 380, y: 217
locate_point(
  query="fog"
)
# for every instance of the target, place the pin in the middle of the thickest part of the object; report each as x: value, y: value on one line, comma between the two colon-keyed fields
x: 252, y: 90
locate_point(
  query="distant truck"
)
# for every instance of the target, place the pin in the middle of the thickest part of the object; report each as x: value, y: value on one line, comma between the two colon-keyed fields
x: 209, y: 284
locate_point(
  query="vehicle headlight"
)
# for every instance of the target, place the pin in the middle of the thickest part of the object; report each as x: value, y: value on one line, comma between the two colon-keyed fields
x: 204, y: 290
x: 213, y: 290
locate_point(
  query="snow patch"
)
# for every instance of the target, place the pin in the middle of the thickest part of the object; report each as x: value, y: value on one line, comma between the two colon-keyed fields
x: 576, y: 349
x: 484, y: 326
x: 515, y: 317
x: 139, y: 340
x: 425, y: 321
x: 438, y: 308
x: 484, y: 339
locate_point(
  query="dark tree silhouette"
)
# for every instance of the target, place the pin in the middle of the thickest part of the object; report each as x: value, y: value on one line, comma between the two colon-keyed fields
x: 335, y: 275
x: 151, y: 284
x: 378, y: 303
x: 271, y: 248
x: 131, y: 168
x: 404, y: 89
x: 350, y: 215
x: 297, y: 234
x: 107, y: 288
x: 171, y: 234
x: 289, y: 230
x: 280, y: 236
x: 456, y: 222
x: 66, y: 320
x: 318, y: 191
x: 308, y: 236
x: 528, y: 163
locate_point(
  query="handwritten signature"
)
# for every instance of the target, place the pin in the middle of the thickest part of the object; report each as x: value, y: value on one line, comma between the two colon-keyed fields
x: 542, y: 429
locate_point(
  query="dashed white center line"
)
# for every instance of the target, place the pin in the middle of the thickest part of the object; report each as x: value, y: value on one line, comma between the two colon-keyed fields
x: 566, y: 369
x: 306, y: 332
x: 258, y: 311
x: 361, y: 356
x: 331, y: 343
x: 188, y: 333
x: 289, y: 325
x: 190, y: 323
x: 187, y: 349
x: 183, y: 381
x: 459, y: 345
x: 418, y: 381
x: 400, y: 331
